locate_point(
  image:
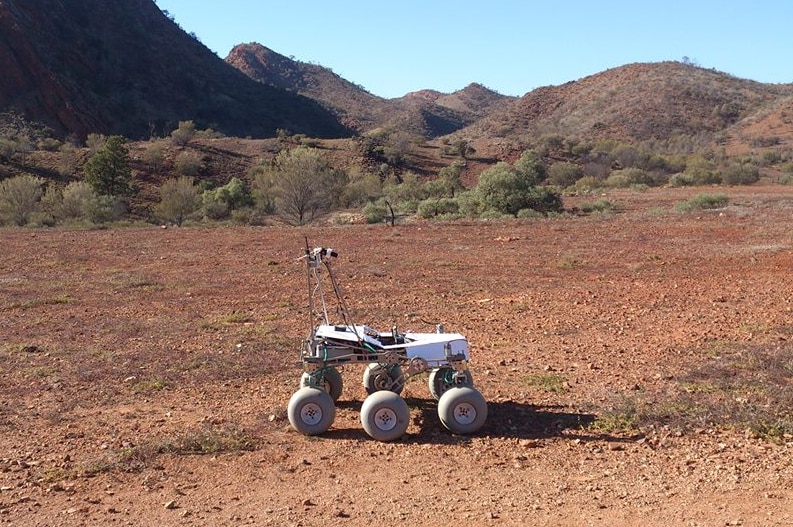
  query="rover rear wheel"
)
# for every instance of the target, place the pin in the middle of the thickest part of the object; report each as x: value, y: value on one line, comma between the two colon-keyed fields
x: 327, y: 378
x: 441, y: 379
x: 377, y: 377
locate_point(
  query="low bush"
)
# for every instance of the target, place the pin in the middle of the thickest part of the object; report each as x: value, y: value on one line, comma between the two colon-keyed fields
x: 704, y: 201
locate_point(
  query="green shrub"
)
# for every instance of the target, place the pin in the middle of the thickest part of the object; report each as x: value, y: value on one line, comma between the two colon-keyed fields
x: 376, y: 212
x: 188, y: 164
x: 19, y: 198
x: 586, y: 184
x: 681, y: 179
x: 154, y: 155
x: 179, y: 198
x: 740, y: 174
x: 218, y: 203
x: 704, y: 201
x: 601, y: 205
x: 468, y: 203
x: 628, y: 177
x: 73, y: 202
x: 432, y: 207
x: 529, y: 213
x: 49, y: 144
x: 184, y: 133
x: 507, y: 189
x: 564, y: 174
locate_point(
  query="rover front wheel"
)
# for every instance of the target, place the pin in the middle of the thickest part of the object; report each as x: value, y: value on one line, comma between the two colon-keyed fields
x: 462, y: 410
x: 311, y: 410
x: 385, y: 415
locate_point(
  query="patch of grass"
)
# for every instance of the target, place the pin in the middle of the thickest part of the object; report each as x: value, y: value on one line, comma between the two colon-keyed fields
x: 549, y: 382
x: 703, y: 202
x: 149, y: 386
x: 210, y: 440
x: 569, y: 262
x: 206, y: 440
x: 600, y: 206
x: 22, y: 348
x: 744, y: 390
x: 233, y: 318
x: 42, y: 371
x: 135, y: 281
x: 38, y: 302
x: 623, y: 417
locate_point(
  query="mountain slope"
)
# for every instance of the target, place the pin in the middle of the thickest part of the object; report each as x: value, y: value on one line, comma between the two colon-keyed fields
x: 82, y: 66
x: 427, y: 113
x: 635, y: 102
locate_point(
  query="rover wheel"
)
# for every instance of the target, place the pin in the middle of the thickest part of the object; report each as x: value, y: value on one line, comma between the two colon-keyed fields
x: 311, y: 410
x: 329, y: 378
x: 377, y: 377
x: 462, y: 410
x: 441, y: 379
x: 385, y: 415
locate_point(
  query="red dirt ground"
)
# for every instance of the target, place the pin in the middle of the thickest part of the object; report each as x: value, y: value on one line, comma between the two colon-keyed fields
x: 123, y: 350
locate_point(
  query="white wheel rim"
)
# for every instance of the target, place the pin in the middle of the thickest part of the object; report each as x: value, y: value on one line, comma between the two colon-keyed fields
x: 465, y: 413
x: 385, y: 419
x: 311, y: 414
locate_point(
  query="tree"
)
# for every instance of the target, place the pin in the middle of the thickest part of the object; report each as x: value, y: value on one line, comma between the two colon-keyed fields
x: 19, y: 198
x: 502, y: 188
x: 530, y: 168
x: 450, y: 178
x: 509, y: 189
x: 108, y: 171
x: 304, y: 184
x: 179, y: 198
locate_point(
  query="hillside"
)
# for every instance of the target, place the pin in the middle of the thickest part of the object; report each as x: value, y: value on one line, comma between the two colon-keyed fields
x: 83, y: 67
x: 636, y: 102
x: 90, y: 66
x: 427, y: 113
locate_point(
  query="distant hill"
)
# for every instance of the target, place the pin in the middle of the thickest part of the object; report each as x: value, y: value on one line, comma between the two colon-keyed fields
x: 636, y: 102
x: 93, y: 66
x: 82, y: 66
x: 427, y: 113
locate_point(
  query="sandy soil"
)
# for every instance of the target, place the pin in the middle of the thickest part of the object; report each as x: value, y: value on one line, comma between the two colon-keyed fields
x: 145, y: 372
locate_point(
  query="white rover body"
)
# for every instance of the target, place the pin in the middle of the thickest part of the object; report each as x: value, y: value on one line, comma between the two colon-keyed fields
x: 391, y: 358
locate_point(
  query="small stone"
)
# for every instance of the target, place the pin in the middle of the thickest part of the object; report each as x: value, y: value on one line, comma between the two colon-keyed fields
x: 170, y: 505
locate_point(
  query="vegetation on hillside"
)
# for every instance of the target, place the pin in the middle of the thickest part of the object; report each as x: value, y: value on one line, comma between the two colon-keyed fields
x: 379, y: 177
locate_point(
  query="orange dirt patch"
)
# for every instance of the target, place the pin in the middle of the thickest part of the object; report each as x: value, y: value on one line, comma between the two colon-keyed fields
x: 145, y: 372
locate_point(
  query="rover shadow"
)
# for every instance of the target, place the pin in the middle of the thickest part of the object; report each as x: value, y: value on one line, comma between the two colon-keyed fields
x: 506, y: 420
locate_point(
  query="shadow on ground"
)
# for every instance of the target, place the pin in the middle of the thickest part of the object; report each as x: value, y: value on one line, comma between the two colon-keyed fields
x: 505, y: 420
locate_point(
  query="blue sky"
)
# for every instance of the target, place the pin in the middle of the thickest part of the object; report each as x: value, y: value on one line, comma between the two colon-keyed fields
x: 511, y: 46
